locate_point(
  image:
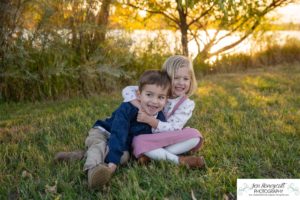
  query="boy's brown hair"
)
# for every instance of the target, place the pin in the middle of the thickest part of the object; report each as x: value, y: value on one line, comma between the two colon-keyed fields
x: 155, y: 77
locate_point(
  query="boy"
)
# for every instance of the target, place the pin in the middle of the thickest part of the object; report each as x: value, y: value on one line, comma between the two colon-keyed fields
x: 110, y: 140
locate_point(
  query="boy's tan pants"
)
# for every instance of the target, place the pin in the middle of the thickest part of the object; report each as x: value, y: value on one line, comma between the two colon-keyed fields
x: 97, y: 149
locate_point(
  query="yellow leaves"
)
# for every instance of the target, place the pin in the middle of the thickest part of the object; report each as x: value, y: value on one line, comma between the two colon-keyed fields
x: 132, y: 19
x: 284, y: 127
x: 26, y: 174
x: 233, y: 102
x: 267, y: 82
x: 208, y: 89
x: 31, y: 16
x: 51, y: 189
x: 193, y: 195
x: 204, y: 91
x: 14, y: 133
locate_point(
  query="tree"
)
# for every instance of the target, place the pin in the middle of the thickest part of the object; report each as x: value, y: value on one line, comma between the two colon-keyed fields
x: 87, y: 20
x: 102, y: 19
x: 241, y: 17
x: 10, y: 12
x: 48, y: 45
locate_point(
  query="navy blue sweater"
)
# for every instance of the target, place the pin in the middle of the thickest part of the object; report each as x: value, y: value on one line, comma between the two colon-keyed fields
x: 123, y: 126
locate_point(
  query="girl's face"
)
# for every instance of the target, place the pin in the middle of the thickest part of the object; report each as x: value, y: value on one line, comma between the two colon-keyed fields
x: 181, y: 82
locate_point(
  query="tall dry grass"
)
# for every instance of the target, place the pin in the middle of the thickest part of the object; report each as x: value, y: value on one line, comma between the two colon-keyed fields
x: 273, y: 54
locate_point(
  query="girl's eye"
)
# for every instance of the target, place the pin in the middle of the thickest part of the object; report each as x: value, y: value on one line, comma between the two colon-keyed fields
x: 148, y: 95
x: 162, y: 98
x: 186, y: 79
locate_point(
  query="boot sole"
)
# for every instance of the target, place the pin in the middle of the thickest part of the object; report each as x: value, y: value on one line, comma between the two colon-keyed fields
x: 203, y: 163
x: 100, y: 177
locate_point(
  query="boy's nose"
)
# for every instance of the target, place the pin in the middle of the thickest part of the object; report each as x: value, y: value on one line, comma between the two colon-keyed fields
x: 155, y: 100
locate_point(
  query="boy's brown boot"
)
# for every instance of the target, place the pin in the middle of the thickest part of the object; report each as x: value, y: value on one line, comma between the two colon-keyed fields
x: 69, y: 156
x: 99, y: 176
x: 192, y: 161
x: 143, y: 160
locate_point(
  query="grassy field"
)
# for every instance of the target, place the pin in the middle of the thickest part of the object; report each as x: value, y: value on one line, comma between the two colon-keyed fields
x: 250, y: 121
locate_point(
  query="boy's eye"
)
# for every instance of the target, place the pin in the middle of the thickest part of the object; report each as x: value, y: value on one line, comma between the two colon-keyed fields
x: 162, y: 97
x: 148, y: 94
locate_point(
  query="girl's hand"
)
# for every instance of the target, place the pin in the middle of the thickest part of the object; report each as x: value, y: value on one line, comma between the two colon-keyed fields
x: 136, y: 103
x: 143, y: 117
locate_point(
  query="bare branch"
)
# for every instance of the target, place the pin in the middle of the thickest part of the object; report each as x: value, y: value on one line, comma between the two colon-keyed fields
x: 237, y: 42
x: 272, y: 6
x: 165, y: 14
x: 202, y: 15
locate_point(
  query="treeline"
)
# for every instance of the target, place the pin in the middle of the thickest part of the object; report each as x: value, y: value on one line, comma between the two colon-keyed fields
x: 285, y: 27
x: 61, y: 49
x: 52, y: 49
x: 54, y: 71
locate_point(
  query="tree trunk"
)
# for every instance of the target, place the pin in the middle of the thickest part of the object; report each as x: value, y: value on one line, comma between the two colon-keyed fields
x: 102, y: 20
x: 184, y: 41
x: 183, y: 26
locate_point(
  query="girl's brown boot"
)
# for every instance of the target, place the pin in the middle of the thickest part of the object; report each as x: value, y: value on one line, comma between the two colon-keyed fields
x: 192, y: 161
x: 143, y: 160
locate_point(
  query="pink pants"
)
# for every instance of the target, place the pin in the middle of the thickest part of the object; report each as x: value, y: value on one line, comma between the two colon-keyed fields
x: 147, y: 142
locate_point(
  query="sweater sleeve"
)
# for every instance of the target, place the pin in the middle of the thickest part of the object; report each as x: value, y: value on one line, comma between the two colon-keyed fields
x: 178, y: 119
x: 129, y: 93
x: 119, y: 134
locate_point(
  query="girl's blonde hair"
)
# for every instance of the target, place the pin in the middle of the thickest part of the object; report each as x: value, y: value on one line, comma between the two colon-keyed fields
x: 173, y: 63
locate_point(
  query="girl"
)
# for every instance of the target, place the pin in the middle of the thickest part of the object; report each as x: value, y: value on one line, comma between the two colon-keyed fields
x: 178, y: 111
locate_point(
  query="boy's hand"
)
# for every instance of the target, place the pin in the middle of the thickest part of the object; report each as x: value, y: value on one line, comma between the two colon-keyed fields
x: 112, y: 167
x: 145, y: 118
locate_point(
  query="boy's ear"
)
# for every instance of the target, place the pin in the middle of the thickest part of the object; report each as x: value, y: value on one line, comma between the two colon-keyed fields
x: 138, y: 94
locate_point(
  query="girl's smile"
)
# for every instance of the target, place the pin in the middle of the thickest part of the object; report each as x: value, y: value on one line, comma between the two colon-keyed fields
x: 181, y: 82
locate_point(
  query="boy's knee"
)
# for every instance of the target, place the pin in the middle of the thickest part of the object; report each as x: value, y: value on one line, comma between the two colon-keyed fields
x: 125, y: 158
x: 96, y: 132
x: 95, y: 136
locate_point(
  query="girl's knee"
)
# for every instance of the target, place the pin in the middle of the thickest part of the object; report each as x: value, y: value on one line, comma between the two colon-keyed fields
x: 191, y: 130
x: 195, y: 140
x: 157, y: 154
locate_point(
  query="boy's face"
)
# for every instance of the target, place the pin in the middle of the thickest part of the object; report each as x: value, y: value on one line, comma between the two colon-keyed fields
x: 152, y: 98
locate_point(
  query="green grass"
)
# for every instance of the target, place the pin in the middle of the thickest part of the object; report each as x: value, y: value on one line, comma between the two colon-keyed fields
x: 250, y: 120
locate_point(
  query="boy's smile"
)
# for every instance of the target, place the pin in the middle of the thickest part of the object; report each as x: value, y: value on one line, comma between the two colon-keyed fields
x: 152, y: 98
